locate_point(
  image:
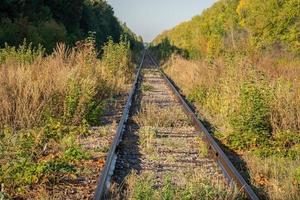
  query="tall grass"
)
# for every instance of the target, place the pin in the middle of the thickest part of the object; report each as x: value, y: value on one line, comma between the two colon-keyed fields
x: 67, y: 84
x: 46, y: 103
x: 259, y: 98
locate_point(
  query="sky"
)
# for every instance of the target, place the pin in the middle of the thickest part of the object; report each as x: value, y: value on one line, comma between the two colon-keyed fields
x: 148, y: 18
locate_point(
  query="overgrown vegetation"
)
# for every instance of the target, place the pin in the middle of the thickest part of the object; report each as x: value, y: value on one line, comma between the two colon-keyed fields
x: 48, y: 103
x: 252, y: 108
x: 243, y: 77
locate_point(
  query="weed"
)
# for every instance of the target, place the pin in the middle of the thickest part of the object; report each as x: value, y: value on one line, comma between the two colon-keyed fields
x: 297, y: 175
x: 147, y: 88
x: 203, y: 147
x: 146, y: 136
x: 24, y: 54
x: 274, y: 176
x: 140, y: 189
x: 48, y: 103
x: 75, y: 153
x: 254, y: 114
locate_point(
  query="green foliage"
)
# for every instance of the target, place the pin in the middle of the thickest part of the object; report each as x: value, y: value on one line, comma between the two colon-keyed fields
x: 254, y: 113
x: 50, y: 22
x: 25, y: 53
x: 143, y: 189
x: 298, y: 174
x: 192, y: 187
x: 49, y: 34
x: 30, y: 161
x: 168, y: 190
x: 72, y: 99
x: 116, y: 57
x: 165, y: 49
x: 251, y: 123
x: 271, y: 23
x: 238, y: 26
x: 283, y: 144
x: 254, y: 109
x: 147, y: 88
x: 147, y: 135
x: 75, y: 153
x: 198, y: 94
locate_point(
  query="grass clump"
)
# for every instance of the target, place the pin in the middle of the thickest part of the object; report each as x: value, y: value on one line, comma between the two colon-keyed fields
x: 199, y: 187
x: 146, y: 136
x: 32, y: 157
x: 147, y: 88
x: 203, y: 147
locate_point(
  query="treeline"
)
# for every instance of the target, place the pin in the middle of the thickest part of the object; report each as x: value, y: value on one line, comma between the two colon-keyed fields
x: 48, y: 22
x: 243, y: 26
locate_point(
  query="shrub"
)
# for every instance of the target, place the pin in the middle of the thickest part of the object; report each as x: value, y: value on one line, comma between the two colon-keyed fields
x: 24, y: 54
x: 251, y: 123
x: 116, y: 57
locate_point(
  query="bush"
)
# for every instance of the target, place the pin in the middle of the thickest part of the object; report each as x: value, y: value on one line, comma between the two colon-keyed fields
x: 117, y: 57
x: 39, y: 155
x: 24, y: 54
x: 251, y: 123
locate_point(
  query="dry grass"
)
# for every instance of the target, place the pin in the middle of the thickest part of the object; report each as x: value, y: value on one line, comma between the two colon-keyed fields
x: 274, y: 176
x: 146, y: 136
x: 155, y: 116
x: 50, y: 85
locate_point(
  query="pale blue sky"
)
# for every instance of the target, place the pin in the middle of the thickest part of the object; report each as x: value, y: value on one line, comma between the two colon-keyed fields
x: 148, y: 18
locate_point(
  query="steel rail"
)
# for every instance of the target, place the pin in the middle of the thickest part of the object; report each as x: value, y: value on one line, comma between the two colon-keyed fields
x: 107, y: 172
x: 229, y: 171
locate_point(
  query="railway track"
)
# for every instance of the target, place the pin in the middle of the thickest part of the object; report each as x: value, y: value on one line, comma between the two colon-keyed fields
x: 160, y: 135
